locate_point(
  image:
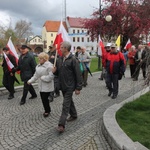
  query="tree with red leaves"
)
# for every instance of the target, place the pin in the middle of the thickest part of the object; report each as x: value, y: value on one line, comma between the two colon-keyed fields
x: 130, y: 18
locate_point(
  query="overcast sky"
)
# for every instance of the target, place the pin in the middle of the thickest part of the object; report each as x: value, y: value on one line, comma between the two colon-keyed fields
x: 38, y: 11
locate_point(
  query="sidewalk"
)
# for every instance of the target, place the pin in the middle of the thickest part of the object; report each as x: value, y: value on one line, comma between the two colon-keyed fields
x: 25, y: 128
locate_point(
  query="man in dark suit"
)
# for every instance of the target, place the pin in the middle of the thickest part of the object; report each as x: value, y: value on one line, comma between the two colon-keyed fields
x: 26, y: 66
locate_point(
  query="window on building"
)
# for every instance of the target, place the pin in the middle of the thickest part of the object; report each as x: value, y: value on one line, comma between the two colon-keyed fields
x: 82, y: 31
x: 35, y: 40
x: 78, y: 31
x: 74, y: 39
x: 78, y: 39
x: 39, y: 40
x: 73, y: 31
x: 88, y: 39
x: 51, y: 34
x: 82, y: 39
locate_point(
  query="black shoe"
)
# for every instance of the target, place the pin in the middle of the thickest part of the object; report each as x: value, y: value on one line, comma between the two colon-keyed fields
x: 22, y: 102
x: 114, y: 96
x: 10, y: 97
x: 60, y: 129
x: 46, y: 114
x: 110, y: 92
x: 71, y: 118
x: 134, y: 79
x: 100, y: 78
x: 56, y: 95
x: 32, y: 97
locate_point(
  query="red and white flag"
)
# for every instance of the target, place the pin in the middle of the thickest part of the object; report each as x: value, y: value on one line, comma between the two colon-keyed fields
x: 128, y: 44
x: 12, y: 49
x: 101, y: 47
x: 61, y: 36
x: 9, y: 64
x: 148, y: 44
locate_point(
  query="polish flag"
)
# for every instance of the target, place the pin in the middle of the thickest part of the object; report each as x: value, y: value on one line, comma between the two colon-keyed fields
x: 12, y: 50
x: 149, y: 44
x: 128, y: 44
x: 101, y: 47
x: 9, y: 64
x: 61, y: 36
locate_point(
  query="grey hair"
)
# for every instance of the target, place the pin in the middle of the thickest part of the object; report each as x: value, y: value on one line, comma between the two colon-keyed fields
x: 66, y: 45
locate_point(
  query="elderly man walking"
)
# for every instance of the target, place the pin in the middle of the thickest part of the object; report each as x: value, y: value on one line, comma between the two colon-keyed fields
x: 26, y: 66
x: 68, y: 71
x: 84, y: 58
x: 115, y: 65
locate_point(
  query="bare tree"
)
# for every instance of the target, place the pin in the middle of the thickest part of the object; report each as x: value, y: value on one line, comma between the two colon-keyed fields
x: 23, y: 29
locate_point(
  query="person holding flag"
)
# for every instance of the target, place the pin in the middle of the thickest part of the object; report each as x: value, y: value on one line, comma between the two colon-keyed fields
x: 8, y: 64
x: 70, y: 80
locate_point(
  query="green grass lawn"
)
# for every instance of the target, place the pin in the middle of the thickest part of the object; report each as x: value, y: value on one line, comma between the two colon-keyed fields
x: 134, y: 119
x: 93, y: 68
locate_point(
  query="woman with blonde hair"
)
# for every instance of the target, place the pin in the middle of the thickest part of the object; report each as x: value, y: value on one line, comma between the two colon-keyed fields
x: 45, y: 77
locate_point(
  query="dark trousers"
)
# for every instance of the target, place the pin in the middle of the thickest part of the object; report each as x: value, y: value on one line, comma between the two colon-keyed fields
x: 132, y: 70
x: 113, y: 83
x: 45, y: 101
x: 8, y: 82
x: 27, y: 88
x: 137, y: 70
x: 56, y: 85
x: 68, y: 107
x: 85, y: 77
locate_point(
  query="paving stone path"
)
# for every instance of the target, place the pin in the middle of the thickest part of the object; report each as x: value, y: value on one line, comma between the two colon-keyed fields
x: 25, y: 128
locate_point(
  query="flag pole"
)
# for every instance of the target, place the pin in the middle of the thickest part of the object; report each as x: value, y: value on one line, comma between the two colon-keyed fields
x: 55, y: 58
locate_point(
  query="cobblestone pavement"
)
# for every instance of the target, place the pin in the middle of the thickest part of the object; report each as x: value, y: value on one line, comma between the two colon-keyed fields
x: 25, y: 128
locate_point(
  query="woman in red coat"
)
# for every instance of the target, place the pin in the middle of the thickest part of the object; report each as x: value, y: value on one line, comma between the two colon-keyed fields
x: 131, y: 54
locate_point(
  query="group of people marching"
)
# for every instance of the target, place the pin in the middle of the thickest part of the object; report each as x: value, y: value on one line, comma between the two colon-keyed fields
x: 114, y: 65
x: 68, y: 73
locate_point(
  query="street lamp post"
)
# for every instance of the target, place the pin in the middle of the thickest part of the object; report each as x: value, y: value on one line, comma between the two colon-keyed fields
x: 100, y: 12
x: 108, y: 18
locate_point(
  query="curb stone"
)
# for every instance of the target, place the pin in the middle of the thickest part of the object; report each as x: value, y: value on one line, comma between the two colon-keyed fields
x: 115, y: 136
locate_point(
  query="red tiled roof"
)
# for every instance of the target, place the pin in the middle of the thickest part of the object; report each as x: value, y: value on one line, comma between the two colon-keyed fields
x: 76, y: 22
x: 53, y: 26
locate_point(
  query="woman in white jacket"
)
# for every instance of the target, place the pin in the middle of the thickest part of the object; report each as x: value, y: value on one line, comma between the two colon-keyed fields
x: 45, y: 77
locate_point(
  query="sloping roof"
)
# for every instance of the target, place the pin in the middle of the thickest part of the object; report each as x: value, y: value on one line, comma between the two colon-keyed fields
x: 76, y: 22
x: 53, y: 26
x: 31, y: 38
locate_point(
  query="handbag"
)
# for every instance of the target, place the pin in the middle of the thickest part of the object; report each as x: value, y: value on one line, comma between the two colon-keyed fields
x: 81, y: 67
